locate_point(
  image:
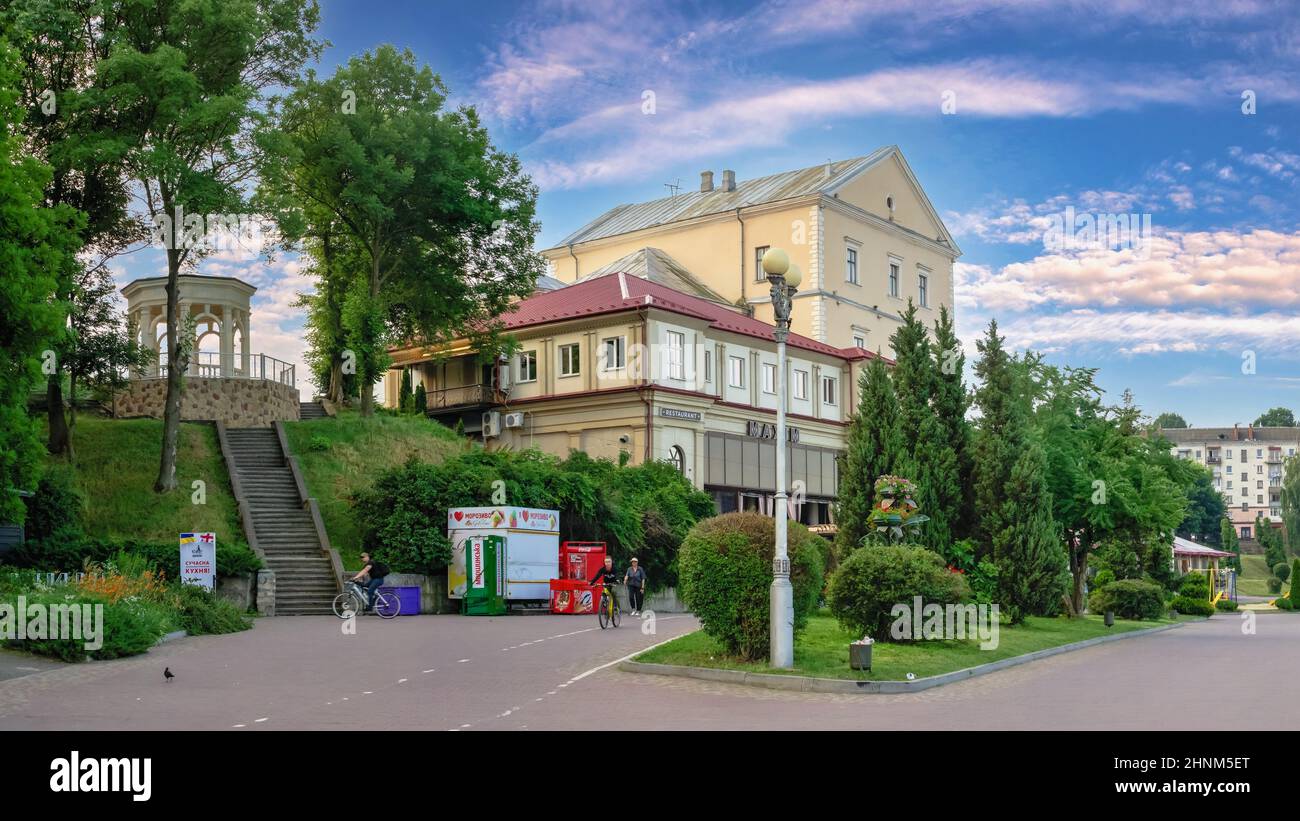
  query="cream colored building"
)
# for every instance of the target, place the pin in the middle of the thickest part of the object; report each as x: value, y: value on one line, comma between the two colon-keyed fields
x: 622, y: 366
x: 863, y: 231
x: 1248, y: 465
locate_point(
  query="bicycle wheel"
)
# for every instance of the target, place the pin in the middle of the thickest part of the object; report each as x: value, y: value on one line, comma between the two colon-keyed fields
x: 346, y: 605
x: 602, y: 614
x: 618, y: 614
x: 387, y: 605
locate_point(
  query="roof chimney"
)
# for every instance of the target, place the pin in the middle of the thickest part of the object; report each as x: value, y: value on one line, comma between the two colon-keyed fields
x: 1235, y: 434
x: 706, y: 181
x: 728, y: 180
x: 1250, y: 430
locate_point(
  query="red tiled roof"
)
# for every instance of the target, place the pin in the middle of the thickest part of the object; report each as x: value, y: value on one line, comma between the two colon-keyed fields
x: 605, y: 294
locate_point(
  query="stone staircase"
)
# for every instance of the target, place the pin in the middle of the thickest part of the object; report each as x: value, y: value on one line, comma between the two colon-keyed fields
x: 305, y: 582
x: 311, y: 410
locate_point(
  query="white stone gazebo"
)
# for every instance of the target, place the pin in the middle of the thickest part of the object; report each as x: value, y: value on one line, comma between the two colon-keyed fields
x: 224, y: 379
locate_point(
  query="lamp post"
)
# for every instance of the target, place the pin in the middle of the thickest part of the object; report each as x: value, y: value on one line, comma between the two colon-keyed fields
x: 784, y: 278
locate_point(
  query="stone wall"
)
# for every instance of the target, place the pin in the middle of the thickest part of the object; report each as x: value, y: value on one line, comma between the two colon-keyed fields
x: 239, y: 589
x: 433, y: 590
x: 240, y: 403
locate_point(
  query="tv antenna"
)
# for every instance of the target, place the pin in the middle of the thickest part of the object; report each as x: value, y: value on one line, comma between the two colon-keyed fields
x: 673, y: 187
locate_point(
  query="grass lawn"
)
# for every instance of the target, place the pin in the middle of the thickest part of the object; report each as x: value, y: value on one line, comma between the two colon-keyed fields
x: 822, y: 649
x: 358, y: 450
x: 117, y: 463
x: 1255, y: 573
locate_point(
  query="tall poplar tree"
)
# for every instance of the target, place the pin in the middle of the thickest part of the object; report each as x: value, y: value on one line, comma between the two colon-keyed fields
x: 951, y: 402
x: 998, y: 437
x: 870, y: 451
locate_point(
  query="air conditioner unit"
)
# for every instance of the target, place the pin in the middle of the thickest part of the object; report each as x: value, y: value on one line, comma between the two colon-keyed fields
x: 514, y: 420
x: 491, y: 424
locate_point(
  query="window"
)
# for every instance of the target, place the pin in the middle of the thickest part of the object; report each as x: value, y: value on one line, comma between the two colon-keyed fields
x: 676, y: 355
x: 569, y: 361
x: 736, y: 375
x: 769, y: 378
x: 1198, y: 454
x: 528, y: 366
x: 923, y: 290
x: 1229, y: 470
x: 859, y: 342
x: 615, y: 353
x: 1259, y: 468
x: 1259, y: 453
x: 1246, y: 506
x: 1259, y: 500
x: 678, y: 458
x: 759, y: 276
x: 893, y: 278
x: 1243, y: 454
x: 708, y: 366
x: 829, y: 393
x: 800, y: 384
x: 851, y: 267
x: 1229, y: 484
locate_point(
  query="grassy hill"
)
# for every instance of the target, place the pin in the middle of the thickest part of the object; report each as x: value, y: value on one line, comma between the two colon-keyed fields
x: 116, y: 464
x: 341, y: 456
x: 1255, y: 573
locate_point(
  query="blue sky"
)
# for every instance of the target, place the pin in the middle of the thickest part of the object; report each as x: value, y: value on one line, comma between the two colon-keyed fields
x: 1111, y: 107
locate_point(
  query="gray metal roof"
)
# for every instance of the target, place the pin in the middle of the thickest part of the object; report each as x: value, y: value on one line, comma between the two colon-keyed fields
x: 630, y: 217
x: 546, y: 282
x: 1225, y: 436
x: 655, y: 265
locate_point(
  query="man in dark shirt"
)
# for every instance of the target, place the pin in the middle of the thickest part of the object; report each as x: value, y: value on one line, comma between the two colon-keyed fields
x: 606, y: 574
x: 375, y: 572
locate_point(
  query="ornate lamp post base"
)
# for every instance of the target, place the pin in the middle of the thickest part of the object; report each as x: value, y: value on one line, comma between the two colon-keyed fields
x: 781, y: 608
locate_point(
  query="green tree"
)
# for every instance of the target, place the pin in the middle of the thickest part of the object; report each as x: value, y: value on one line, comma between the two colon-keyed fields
x: 442, y: 219
x: 1228, y: 541
x: 1169, y: 420
x: 35, y: 243
x: 869, y: 454
x: 1291, y: 503
x: 188, y: 77
x: 1028, y: 551
x: 914, y: 381
x: 1276, y: 418
x: 406, y: 397
x: 998, y: 438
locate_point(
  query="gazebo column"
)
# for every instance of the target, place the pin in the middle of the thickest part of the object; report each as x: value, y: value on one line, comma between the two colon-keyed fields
x: 245, y: 352
x: 227, y: 342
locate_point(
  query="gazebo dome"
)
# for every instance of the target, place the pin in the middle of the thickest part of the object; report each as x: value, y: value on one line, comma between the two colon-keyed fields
x: 218, y: 306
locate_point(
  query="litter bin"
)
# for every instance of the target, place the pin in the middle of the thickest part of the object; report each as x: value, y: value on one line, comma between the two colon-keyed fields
x: 408, y: 597
x: 485, y: 585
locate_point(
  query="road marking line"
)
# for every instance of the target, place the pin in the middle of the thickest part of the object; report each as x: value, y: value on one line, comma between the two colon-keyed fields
x: 260, y: 720
x: 462, y: 661
x: 581, y: 676
x: 239, y: 725
x: 401, y: 681
x: 429, y: 670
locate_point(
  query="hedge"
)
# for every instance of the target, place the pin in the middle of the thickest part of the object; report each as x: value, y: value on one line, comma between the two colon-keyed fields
x: 1130, y: 599
x: 70, y: 554
x: 725, y: 578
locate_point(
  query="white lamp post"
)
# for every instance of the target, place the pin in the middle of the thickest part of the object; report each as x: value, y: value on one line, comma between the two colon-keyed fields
x: 784, y: 278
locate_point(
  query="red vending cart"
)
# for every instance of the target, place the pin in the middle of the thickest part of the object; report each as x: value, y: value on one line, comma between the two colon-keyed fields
x: 579, y: 561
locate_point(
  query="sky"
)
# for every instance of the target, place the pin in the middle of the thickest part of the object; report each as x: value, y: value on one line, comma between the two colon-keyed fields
x: 1012, y: 114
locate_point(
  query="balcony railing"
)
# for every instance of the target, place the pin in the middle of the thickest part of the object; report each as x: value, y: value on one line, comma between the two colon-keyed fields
x: 460, y: 397
x: 1274, y: 458
x: 233, y: 366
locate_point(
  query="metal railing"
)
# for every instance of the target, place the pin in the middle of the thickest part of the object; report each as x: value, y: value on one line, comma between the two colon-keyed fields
x: 464, y: 395
x: 233, y: 366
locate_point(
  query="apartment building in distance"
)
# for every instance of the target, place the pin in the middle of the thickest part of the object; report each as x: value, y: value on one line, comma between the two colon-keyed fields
x: 1248, y: 466
x: 624, y: 366
x: 863, y: 231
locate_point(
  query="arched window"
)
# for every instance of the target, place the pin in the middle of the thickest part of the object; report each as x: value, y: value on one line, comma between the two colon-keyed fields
x: 678, y: 458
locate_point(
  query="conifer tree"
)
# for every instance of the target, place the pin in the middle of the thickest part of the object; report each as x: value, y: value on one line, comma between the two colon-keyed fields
x: 1028, y: 550
x: 999, y: 438
x: 950, y: 403
x: 870, y: 453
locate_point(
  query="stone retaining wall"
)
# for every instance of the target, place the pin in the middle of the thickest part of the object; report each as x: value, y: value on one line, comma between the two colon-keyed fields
x: 240, y: 403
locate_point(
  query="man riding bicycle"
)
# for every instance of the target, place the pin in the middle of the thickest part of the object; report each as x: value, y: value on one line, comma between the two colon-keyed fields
x: 375, y: 572
x: 606, y: 575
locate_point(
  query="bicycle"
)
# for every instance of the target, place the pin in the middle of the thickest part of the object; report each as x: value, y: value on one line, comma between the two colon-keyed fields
x: 608, y: 613
x: 353, y: 601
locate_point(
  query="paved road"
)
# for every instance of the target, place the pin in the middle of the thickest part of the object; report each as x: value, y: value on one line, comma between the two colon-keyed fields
x: 553, y: 672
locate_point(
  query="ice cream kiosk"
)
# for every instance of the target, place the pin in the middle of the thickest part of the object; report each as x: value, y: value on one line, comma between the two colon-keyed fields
x: 527, y: 555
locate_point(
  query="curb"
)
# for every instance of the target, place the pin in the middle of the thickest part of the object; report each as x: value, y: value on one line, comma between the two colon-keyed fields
x: 807, y: 684
x: 172, y: 636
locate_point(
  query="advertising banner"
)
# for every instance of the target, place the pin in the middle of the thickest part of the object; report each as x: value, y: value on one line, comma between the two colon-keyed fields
x: 199, y: 559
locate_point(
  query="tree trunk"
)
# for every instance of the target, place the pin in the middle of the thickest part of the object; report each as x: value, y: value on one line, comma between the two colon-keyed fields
x: 166, y: 481
x: 335, y: 393
x: 58, y: 442
x: 72, y: 414
x: 1079, y: 568
x: 364, y: 372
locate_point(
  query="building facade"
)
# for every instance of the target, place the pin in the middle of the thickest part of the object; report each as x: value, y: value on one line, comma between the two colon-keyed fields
x: 862, y: 230
x: 1248, y: 465
x: 622, y: 367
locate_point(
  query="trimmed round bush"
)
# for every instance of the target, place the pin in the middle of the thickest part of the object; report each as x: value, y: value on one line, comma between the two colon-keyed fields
x: 1283, y: 604
x: 1104, y: 577
x: 1274, y: 584
x: 1130, y: 599
x: 872, y: 580
x: 1282, y: 570
x: 1226, y: 605
x: 1189, y: 606
x: 725, y: 575
x: 1295, y: 576
x: 1194, y: 585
